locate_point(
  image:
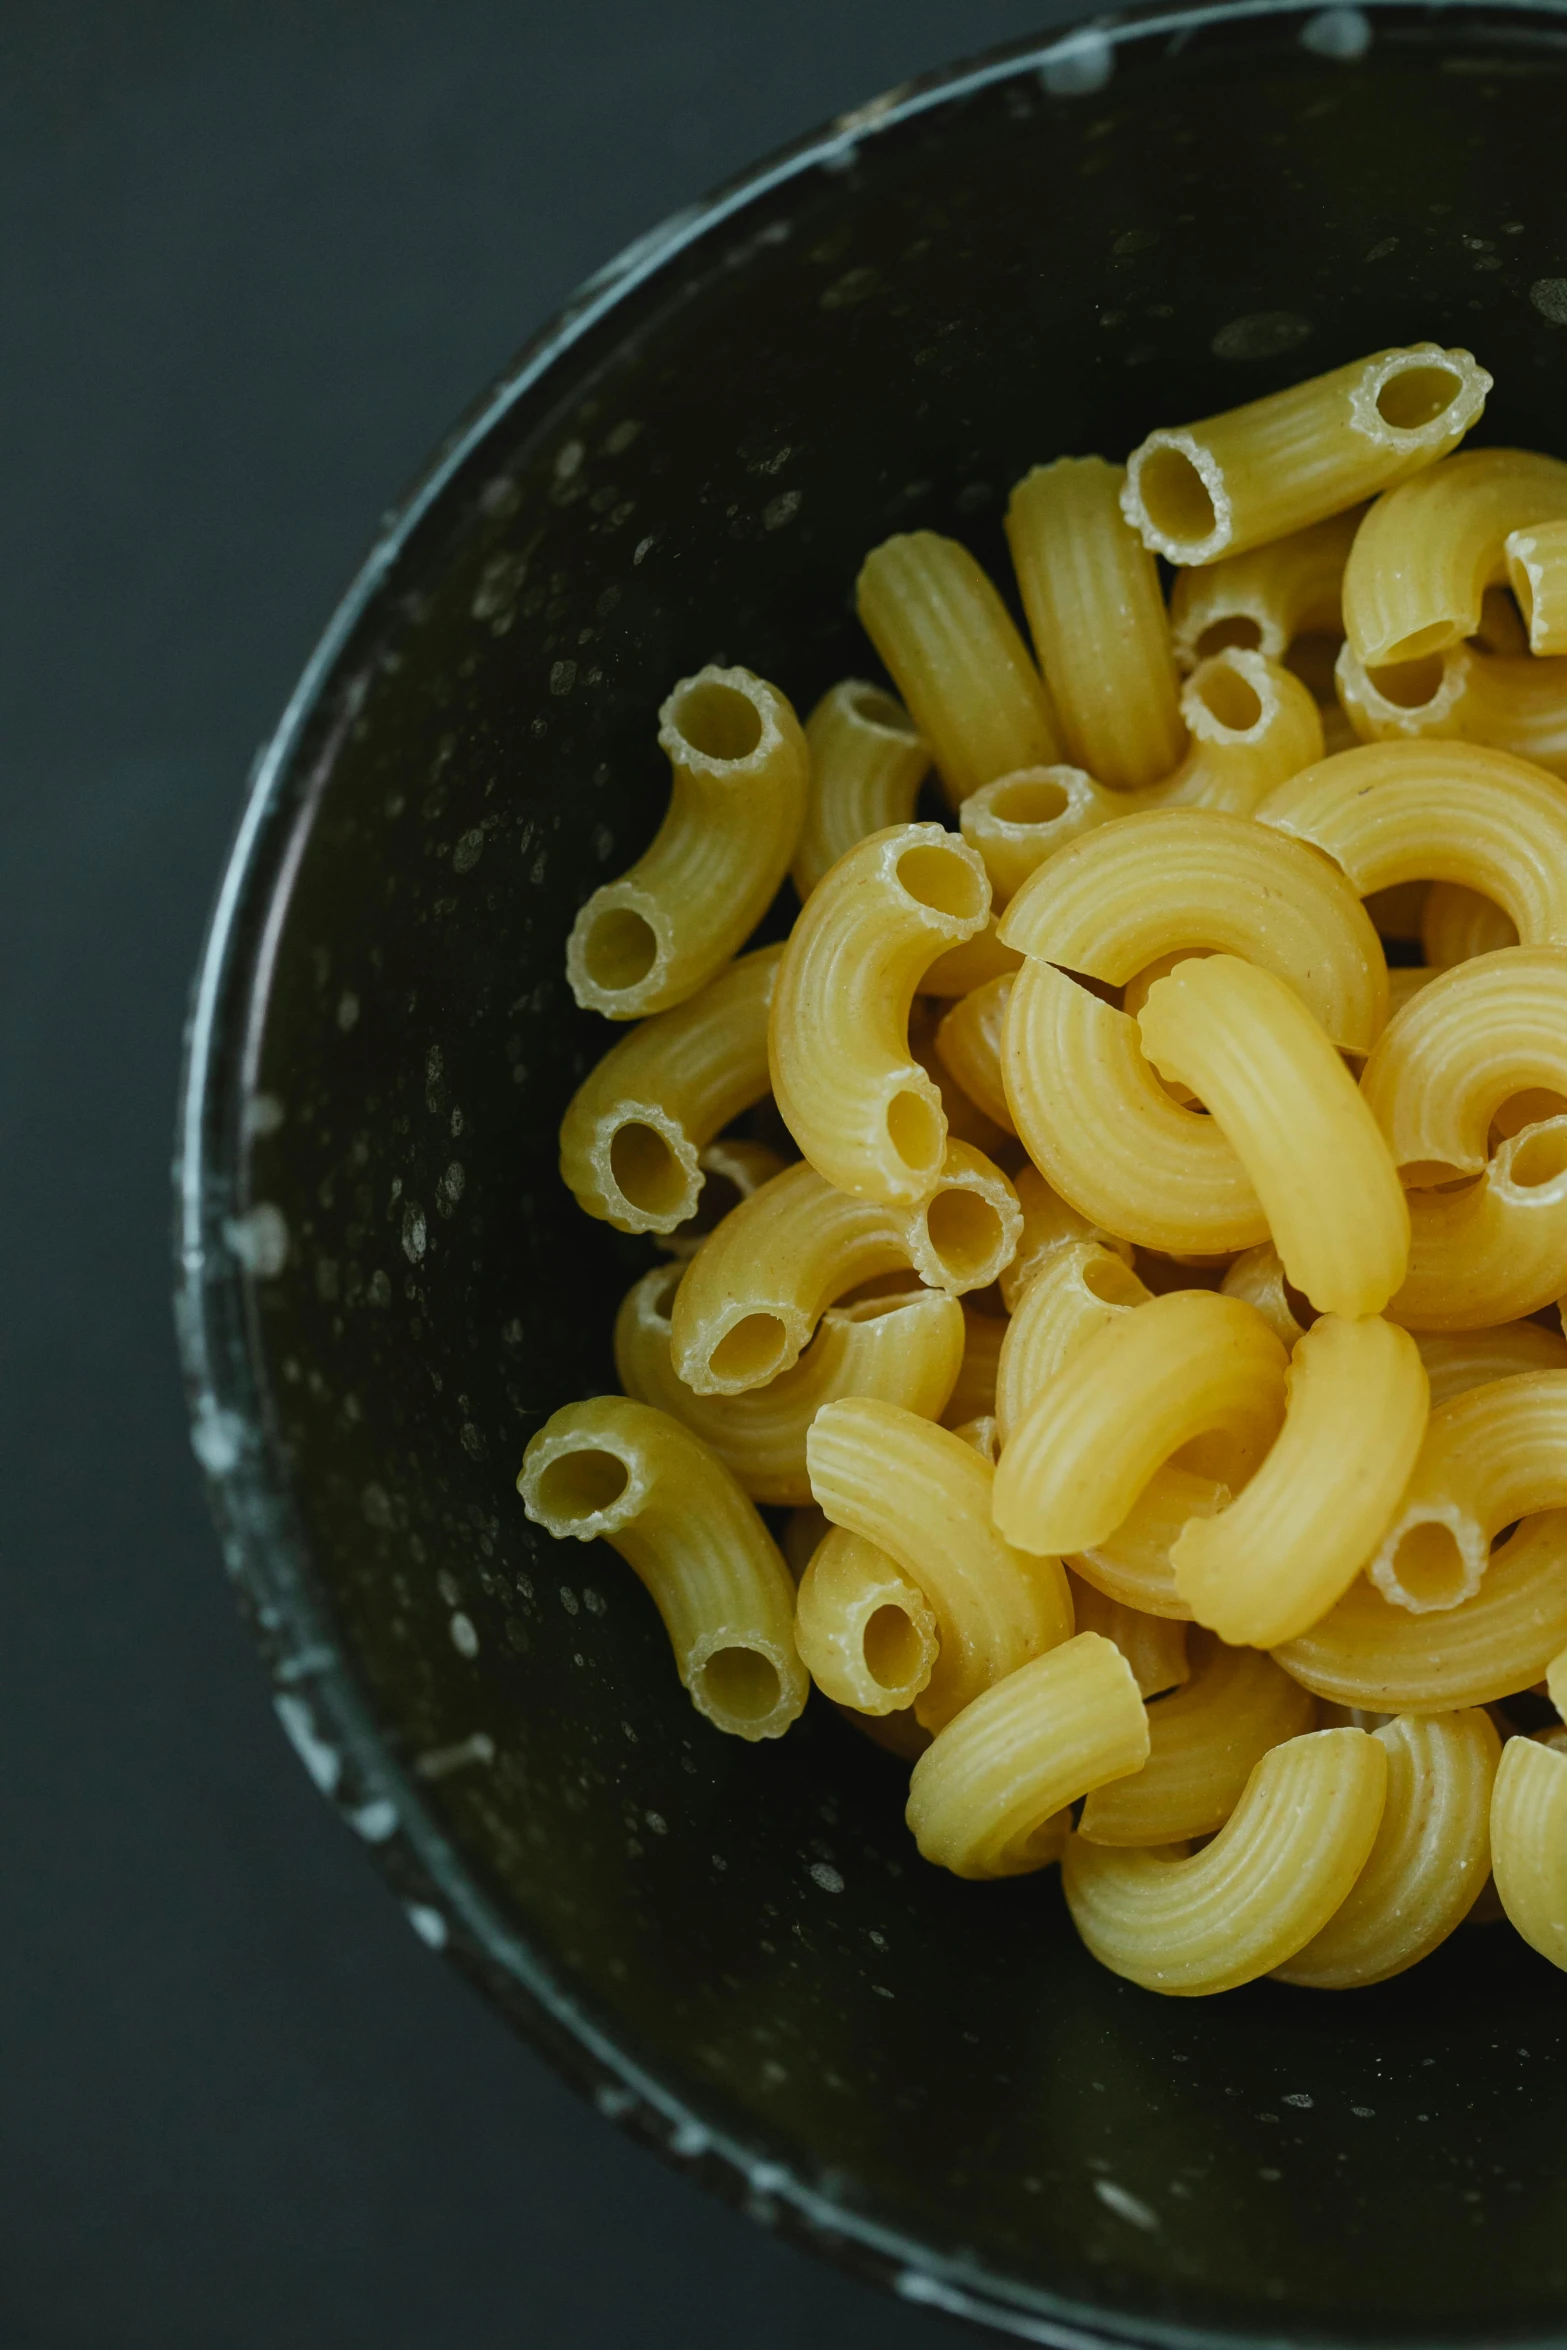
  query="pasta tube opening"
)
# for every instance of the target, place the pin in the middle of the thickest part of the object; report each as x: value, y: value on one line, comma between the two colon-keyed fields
x: 619, y: 949
x: 736, y: 1686
x: 1434, y: 1564
x: 576, y: 1490
x: 713, y: 719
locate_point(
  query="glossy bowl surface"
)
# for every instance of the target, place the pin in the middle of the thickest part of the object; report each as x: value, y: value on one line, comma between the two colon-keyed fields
x: 384, y: 1290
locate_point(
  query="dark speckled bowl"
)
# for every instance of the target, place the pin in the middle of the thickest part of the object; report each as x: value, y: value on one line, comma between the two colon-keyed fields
x: 384, y: 1289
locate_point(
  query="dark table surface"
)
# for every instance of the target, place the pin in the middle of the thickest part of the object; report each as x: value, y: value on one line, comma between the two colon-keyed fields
x: 255, y: 255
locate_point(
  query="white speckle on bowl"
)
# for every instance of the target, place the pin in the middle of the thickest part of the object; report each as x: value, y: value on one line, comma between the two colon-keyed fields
x: 657, y: 1822
x: 263, y: 1115
x: 427, y: 1923
x: 375, y: 1821
x: 320, y: 1759
x: 1300, y: 2098
x: 1264, y: 334
x: 1549, y: 296
x: 1364, y: 2113
x: 613, y: 2101
x: 563, y: 676
x: 1126, y: 2206
x: 1079, y: 65
x: 468, y: 850
x: 216, y: 1437
x: 780, y: 510
x: 414, y: 1233
x: 826, y: 1876
x: 568, y: 460
x: 1340, y: 33
x: 477, y: 1748
x: 464, y: 1638
x: 688, y: 2137
x: 259, y: 1239
x: 347, y: 1010
x: 643, y: 548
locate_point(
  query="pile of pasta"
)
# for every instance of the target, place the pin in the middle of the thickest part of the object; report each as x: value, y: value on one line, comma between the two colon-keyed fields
x: 1156, y: 1340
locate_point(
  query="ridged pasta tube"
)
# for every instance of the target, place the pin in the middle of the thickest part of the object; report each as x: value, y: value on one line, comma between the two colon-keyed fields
x: 1187, y: 878
x: 1282, y: 1097
x: 1252, y: 725
x: 969, y: 1045
x: 1154, y: 1646
x: 1131, y: 1395
x: 974, y: 1393
x: 1049, y: 1223
x: 1204, y: 1743
x: 1428, y: 550
x: 1392, y: 812
x: 1458, y: 1360
x: 989, y: 1798
x: 1259, y: 1278
x: 1537, y: 570
x: 1482, y: 1032
x: 954, y: 655
x: 1290, y: 1546
x: 1458, y: 924
x: 1132, y: 1565
x: 924, y: 1496
x: 906, y: 1349
x: 631, y: 1139
x: 756, y: 1288
x: 617, y: 1471
x: 1371, y: 1654
x: 865, y: 1633
x: 1517, y: 705
x: 867, y: 765
x: 859, y: 1105
x: 1495, y: 1250
x: 1091, y: 591
x: 1529, y: 1844
x: 1108, y: 1136
x: 1281, y: 463
x: 1265, y: 599
x: 1079, y: 1288
x: 1493, y: 1455
x: 1430, y: 1859
x: 1272, y: 1877
x: 670, y: 924
x: 1020, y: 820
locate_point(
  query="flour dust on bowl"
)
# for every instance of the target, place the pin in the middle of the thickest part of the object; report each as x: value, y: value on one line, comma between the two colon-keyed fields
x: 384, y: 1290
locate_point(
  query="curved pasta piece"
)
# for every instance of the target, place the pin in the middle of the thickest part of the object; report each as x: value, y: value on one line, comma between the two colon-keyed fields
x: 731, y: 1168
x: 1204, y: 1743
x: 952, y: 652
x: 1493, y: 1455
x: 865, y: 1633
x: 1108, y: 1137
x: 1048, y: 1223
x: 1130, y: 1396
x: 1080, y: 1287
x: 1497, y: 1249
x: 867, y: 765
x: 1181, y: 879
x: 1154, y: 1646
x: 980, y: 1436
x: 1459, y: 924
x: 1427, y: 551
x: 1252, y: 725
x: 1096, y: 613
x: 973, y: 964
x: 1458, y: 1360
x: 756, y: 1288
x: 906, y: 1349
x: 969, y: 1045
x: 1263, y: 600
x: 616, y: 1471
x: 989, y: 1798
x: 1492, y: 1027
x: 1132, y: 1565
x: 1537, y: 571
x: 973, y: 1396
x: 1258, y: 1276
x: 1368, y: 1653
x: 1272, y: 1877
x: 633, y: 1132
x: 672, y: 921
x: 1404, y: 701
x: 1279, y: 1093
x: 1019, y: 820
x: 966, y: 1120
x: 1392, y: 812
x: 1529, y: 1844
x: 1290, y: 1546
x: 1279, y: 464
x: 1430, y: 1859
x: 859, y: 1105
x: 924, y: 1496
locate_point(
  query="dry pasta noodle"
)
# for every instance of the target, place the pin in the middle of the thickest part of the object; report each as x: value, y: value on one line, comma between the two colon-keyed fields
x: 1515, y: 704
x: 740, y: 771
x: 865, y: 1633
x: 1258, y: 1276
x: 973, y: 1394
x: 1492, y: 1250
x: 1021, y: 819
x: 1491, y: 1456
x: 1537, y: 570
x: 634, y: 1478
x: 969, y: 1045
x: 1264, y: 600
x: 1048, y: 1223
x: 867, y: 765
x: 1529, y: 1844
x: 1459, y: 924
x: 1252, y: 726
x: 1428, y: 550
x: 1132, y: 1564
x: 967, y: 1120
x: 1079, y: 1288
x: 963, y: 968
x: 1154, y: 1646
x: 1457, y: 1360
x: 980, y: 1436
x: 732, y: 1168
x: 1487, y: 1030
x: 1279, y: 464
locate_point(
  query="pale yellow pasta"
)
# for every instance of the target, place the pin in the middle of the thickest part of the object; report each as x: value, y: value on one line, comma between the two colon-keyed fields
x: 861, y: 1108
x: 753, y: 1293
x: 867, y: 765
x: 905, y: 1349
x: 1529, y: 1844
x: 804, y: 1529
x: 967, y: 1120
x: 1048, y: 1223
x: 1132, y: 1564
x: 953, y: 654
x: 1154, y: 1646
x: 1440, y: 811
x: 1459, y: 924
x: 1367, y: 1652
x: 1274, y: 1874
x: 635, y: 1127
x: 1091, y: 592
x: 1537, y: 570
x: 1502, y: 628
x: 1078, y: 1288
x: 1398, y: 913
x: 974, y: 1392
x: 973, y: 964
x: 1556, y: 1682
x: 1457, y: 1360
x: 1264, y: 600
x: 1130, y: 1396
x: 980, y: 1436
x: 1204, y: 1743
x: 1252, y: 724
x: 1515, y: 704
x: 1404, y: 701
x: 989, y: 1798
x: 969, y: 1043
x: 1020, y: 820
x: 924, y: 1496
x: 1480, y: 1034
x: 1149, y: 885
x: 1290, y: 1546
x: 1403, y: 985
x: 1496, y: 1249
x: 619, y: 1472
x: 1276, y: 1089
x: 731, y: 1168
x: 1109, y: 1137
x: 1428, y: 550
x: 1430, y: 1859
x: 1491, y: 1456
x: 1281, y: 463
x: 672, y: 921
x: 865, y: 1633
x: 1259, y: 1278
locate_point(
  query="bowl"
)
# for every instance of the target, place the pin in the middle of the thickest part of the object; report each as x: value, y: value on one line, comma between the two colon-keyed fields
x: 383, y: 1288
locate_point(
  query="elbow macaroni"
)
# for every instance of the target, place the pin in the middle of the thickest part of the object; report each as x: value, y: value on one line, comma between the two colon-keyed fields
x: 1428, y: 550
x: 1537, y: 570
x: 867, y: 765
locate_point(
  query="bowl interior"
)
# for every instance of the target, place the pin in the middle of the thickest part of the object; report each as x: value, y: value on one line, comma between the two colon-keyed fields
x: 1051, y: 257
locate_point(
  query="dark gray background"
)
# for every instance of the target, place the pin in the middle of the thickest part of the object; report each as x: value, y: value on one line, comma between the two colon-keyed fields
x: 254, y: 257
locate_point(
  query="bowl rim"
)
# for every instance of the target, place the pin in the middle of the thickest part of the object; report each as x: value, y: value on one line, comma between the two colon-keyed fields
x: 220, y: 1247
